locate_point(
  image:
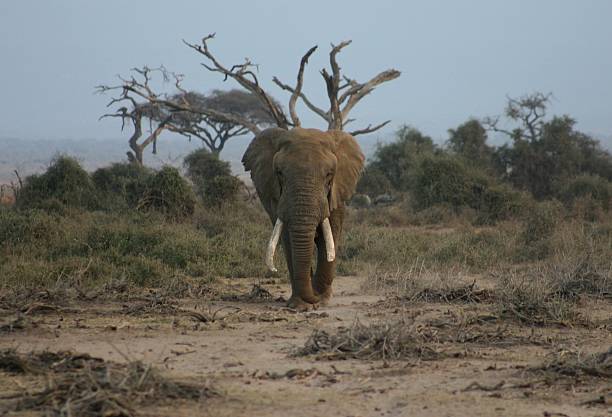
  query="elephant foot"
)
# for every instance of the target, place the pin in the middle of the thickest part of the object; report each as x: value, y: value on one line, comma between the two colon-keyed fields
x: 300, y: 305
x: 325, y: 297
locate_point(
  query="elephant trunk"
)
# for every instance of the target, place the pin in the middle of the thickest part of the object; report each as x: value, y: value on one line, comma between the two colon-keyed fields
x: 276, y: 233
x: 302, y: 247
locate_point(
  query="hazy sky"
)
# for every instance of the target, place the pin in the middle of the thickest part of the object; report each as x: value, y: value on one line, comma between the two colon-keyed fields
x: 458, y: 58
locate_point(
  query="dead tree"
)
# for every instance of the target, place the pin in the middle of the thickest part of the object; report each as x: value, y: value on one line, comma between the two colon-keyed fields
x: 178, y: 112
x: 343, y: 92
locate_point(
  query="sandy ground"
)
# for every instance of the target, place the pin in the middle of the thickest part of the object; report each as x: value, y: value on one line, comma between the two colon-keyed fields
x: 246, y: 354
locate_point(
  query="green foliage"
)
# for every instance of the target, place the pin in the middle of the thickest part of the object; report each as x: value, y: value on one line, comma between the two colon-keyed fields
x: 121, y: 185
x: 374, y: 182
x: 469, y: 140
x: 212, y: 177
x: 221, y: 189
x: 586, y: 186
x: 446, y: 180
x: 169, y: 193
x: 398, y: 160
x: 90, y: 249
x: 64, y: 183
x: 556, y: 152
x: 27, y: 226
x: 360, y: 201
x: 502, y: 202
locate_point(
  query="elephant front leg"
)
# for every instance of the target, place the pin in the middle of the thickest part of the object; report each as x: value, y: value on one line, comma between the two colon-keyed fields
x: 326, y: 271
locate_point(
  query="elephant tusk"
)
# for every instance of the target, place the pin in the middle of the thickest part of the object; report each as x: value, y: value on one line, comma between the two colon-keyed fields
x: 276, y: 232
x: 329, y: 240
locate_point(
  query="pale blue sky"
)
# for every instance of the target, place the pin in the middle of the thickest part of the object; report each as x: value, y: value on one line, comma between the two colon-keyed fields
x: 458, y: 58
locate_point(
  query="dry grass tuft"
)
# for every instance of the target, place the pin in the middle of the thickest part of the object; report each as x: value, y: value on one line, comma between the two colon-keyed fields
x: 81, y: 385
x: 418, y: 283
x: 577, y: 365
x: 535, y: 296
x: 18, y: 323
x: 386, y: 341
x: 407, y: 339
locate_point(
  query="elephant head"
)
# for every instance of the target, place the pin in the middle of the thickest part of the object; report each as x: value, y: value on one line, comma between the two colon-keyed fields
x: 303, y: 177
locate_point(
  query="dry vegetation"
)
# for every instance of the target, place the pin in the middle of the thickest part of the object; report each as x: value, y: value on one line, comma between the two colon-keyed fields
x: 80, y: 385
x: 438, y: 290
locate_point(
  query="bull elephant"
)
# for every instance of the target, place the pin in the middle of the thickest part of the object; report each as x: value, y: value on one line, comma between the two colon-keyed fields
x: 303, y: 178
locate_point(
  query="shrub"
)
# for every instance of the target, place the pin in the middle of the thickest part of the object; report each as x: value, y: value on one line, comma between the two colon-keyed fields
x: 539, y: 225
x: 501, y: 202
x: 361, y: 201
x: 593, y: 187
x: 168, y: 192
x: 27, y: 226
x: 65, y: 182
x: 398, y: 160
x: 212, y: 178
x: 373, y: 182
x: 121, y: 184
x: 447, y: 180
x: 221, y: 189
x: 533, y: 296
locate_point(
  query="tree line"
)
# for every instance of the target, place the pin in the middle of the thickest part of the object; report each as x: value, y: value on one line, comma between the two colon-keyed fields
x: 543, y: 158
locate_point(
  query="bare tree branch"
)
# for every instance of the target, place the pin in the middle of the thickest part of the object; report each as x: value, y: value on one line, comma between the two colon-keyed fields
x: 369, y: 129
x: 332, y: 83
x: 305, y: 99
x: 239, y: 73
x: 298, y: 87
x: 359, y: 91
x: 528, y: 111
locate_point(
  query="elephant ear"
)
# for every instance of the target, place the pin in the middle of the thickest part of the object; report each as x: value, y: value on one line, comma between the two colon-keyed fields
x: 350, y: 164
x: 258, y: 159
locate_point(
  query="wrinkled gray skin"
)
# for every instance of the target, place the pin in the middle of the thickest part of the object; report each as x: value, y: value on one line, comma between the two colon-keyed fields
x: 303, y: 176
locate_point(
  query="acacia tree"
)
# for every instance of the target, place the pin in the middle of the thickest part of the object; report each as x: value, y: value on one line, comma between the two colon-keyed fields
x: 343, y: 93
x: 212, y: 131
x: 545, y: 152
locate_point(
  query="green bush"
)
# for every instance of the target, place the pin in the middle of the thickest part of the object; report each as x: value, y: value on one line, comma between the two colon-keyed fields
x: 65, y: 183
x: 121, y: 185
x: 502, y: 202
x: 444, y: 180
x: 94, y: 248
x: 447, y: 180
x: 593, y: 187
x: 398, y: 160
x: 212, y: 178
x: 168, y: 193
x: 373, y: 182
x: 28, y: 226
x: 221, y: 189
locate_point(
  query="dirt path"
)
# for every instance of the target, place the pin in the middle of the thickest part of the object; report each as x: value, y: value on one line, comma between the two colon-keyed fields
x: 246, y: 354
